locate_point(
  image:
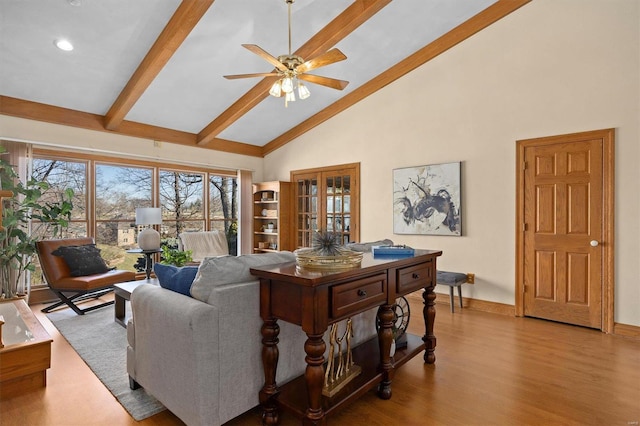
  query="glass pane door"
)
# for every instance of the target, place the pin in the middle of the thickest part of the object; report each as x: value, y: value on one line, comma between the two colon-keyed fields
x: 327, y: 199
x: 338, y: 201
x: 307, y: 210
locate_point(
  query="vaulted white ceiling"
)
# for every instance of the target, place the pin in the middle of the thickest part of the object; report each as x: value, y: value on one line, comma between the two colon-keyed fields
x: 181, y: 87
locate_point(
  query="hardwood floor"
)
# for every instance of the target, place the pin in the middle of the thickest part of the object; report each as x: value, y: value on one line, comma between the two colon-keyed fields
x: 490, y: 370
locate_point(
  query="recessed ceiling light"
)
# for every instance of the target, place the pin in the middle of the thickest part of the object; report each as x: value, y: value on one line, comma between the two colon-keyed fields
x: 63, y: 44
x: 75, y: 2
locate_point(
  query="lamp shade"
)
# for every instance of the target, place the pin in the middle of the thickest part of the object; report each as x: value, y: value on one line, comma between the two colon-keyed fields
x: 149, y: 238
x: 148, y: 216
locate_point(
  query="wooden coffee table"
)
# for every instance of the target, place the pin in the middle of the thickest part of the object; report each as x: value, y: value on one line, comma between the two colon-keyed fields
x: 26, y: 354
x: 122, y: 292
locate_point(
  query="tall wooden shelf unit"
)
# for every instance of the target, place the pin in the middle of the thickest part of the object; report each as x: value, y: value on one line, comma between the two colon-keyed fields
x: 272, y: 216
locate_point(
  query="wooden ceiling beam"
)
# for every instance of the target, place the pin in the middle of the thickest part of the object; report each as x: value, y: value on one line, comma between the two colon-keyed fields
x: 343, y: 25
x: 184, y: 19
x: 68, y: 117
x: 465, y: 30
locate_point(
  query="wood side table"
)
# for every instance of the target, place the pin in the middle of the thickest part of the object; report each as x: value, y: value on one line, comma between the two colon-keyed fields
x: 122, y: 294
x: 315, y: 299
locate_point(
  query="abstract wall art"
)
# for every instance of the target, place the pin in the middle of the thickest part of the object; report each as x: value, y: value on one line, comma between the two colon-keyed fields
x: 426, y: 200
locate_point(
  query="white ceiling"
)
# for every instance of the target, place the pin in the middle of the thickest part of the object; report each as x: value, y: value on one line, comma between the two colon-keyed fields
x: 111, y: 38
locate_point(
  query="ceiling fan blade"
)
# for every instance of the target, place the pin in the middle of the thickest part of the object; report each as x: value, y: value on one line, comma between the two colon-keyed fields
x: 327, y: 58
x: 266, y: 56
x: 324, y: 81
x: 259, y: 74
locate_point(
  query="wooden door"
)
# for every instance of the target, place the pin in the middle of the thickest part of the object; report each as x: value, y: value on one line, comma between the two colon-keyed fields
x: 339, y: 203
x: 327, y: 199
x: 563, y: 228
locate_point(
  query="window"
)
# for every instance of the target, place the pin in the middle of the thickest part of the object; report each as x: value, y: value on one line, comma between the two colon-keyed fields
x: 118, y: 191
x: 104, y: 206
x: 60, y: 174
x: 182, y: 202
x: 223, y: 208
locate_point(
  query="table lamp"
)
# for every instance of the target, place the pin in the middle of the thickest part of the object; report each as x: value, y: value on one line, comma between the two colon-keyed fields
x: 149, y: 238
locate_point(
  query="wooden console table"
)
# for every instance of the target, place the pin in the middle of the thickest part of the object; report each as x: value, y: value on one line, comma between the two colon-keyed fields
x: 314, y: 300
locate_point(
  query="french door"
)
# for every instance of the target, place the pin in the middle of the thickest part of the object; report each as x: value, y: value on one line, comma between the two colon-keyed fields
x: 327, y: 199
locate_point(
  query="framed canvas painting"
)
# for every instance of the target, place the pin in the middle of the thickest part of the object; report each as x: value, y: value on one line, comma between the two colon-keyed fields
x: 426, y: 200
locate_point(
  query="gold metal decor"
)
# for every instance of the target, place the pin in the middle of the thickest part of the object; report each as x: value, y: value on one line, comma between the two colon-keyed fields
x: 309, y: 258
x: 327, y: 253
x: 340, y: 369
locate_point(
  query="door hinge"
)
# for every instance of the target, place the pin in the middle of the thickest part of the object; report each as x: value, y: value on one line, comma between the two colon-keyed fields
x: 524, y: 165
x: 524, y: 227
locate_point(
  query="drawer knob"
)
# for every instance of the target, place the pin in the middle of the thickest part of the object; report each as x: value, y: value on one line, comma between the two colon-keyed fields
x: 415, y: 276
x: 362, y: 293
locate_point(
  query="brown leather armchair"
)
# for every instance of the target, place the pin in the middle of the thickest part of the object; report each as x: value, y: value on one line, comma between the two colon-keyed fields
x: 71, y: 289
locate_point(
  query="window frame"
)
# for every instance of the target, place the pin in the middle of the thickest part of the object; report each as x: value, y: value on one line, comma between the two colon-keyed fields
x: 92, y: 161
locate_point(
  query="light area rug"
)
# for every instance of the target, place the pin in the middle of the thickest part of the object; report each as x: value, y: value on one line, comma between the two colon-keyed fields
x: 102, y: 344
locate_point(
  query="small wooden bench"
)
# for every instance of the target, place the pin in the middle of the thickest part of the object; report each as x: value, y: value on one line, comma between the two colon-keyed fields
x: 452, y: 279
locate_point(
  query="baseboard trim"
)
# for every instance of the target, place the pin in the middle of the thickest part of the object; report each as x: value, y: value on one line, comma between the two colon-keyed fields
x: 626, y: 330
x: 619, y: 329
x: 469, y: 303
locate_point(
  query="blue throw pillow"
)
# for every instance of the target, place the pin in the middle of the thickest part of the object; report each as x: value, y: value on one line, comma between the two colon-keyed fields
x: 174, y: 278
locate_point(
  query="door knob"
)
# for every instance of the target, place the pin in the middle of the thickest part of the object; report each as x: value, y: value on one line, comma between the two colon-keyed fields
x: 594, y: 243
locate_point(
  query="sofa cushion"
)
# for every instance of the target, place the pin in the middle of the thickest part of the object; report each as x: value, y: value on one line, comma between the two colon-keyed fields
x: 219, y: 271
x: 178, y: 279
x: 82, y: 260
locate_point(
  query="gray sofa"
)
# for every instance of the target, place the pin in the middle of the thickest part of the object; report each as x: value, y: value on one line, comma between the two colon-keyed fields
x: 201, y: 355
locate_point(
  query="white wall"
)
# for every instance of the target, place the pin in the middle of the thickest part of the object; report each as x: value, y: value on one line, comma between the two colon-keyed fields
x: 552, y: 67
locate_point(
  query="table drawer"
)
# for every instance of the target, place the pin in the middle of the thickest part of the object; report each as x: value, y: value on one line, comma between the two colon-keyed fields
x: 413, y: 278
x: 353, y: 297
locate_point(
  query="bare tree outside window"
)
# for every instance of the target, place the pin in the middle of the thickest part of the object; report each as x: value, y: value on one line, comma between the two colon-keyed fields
x: 60, y: 175
x: 181, y: 199
x: 223, y: 208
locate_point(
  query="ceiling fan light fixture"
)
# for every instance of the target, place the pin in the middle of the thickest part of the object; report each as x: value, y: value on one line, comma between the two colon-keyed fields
x: 303, y: 91
x: 276, y: 89
x: 289, y: 97
x: 287, y: 85
x: 288, y: 69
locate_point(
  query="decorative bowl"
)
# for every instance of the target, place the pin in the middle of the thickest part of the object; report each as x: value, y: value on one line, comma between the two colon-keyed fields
x: 309, y: 258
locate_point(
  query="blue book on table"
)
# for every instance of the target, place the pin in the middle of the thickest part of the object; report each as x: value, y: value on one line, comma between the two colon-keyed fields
x: 400, y: 250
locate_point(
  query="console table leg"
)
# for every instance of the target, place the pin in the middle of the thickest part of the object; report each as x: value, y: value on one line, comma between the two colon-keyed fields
x: 429, y: 313
x: 385, y: 336
x: 270, y: 331
x: 314, y: 376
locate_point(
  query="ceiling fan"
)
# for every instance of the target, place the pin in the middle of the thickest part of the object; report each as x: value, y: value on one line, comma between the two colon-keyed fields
x: 290, y: 69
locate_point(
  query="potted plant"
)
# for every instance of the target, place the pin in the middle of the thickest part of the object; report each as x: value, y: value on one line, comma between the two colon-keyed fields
x: 17, y: 245
x: 173, y: 256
